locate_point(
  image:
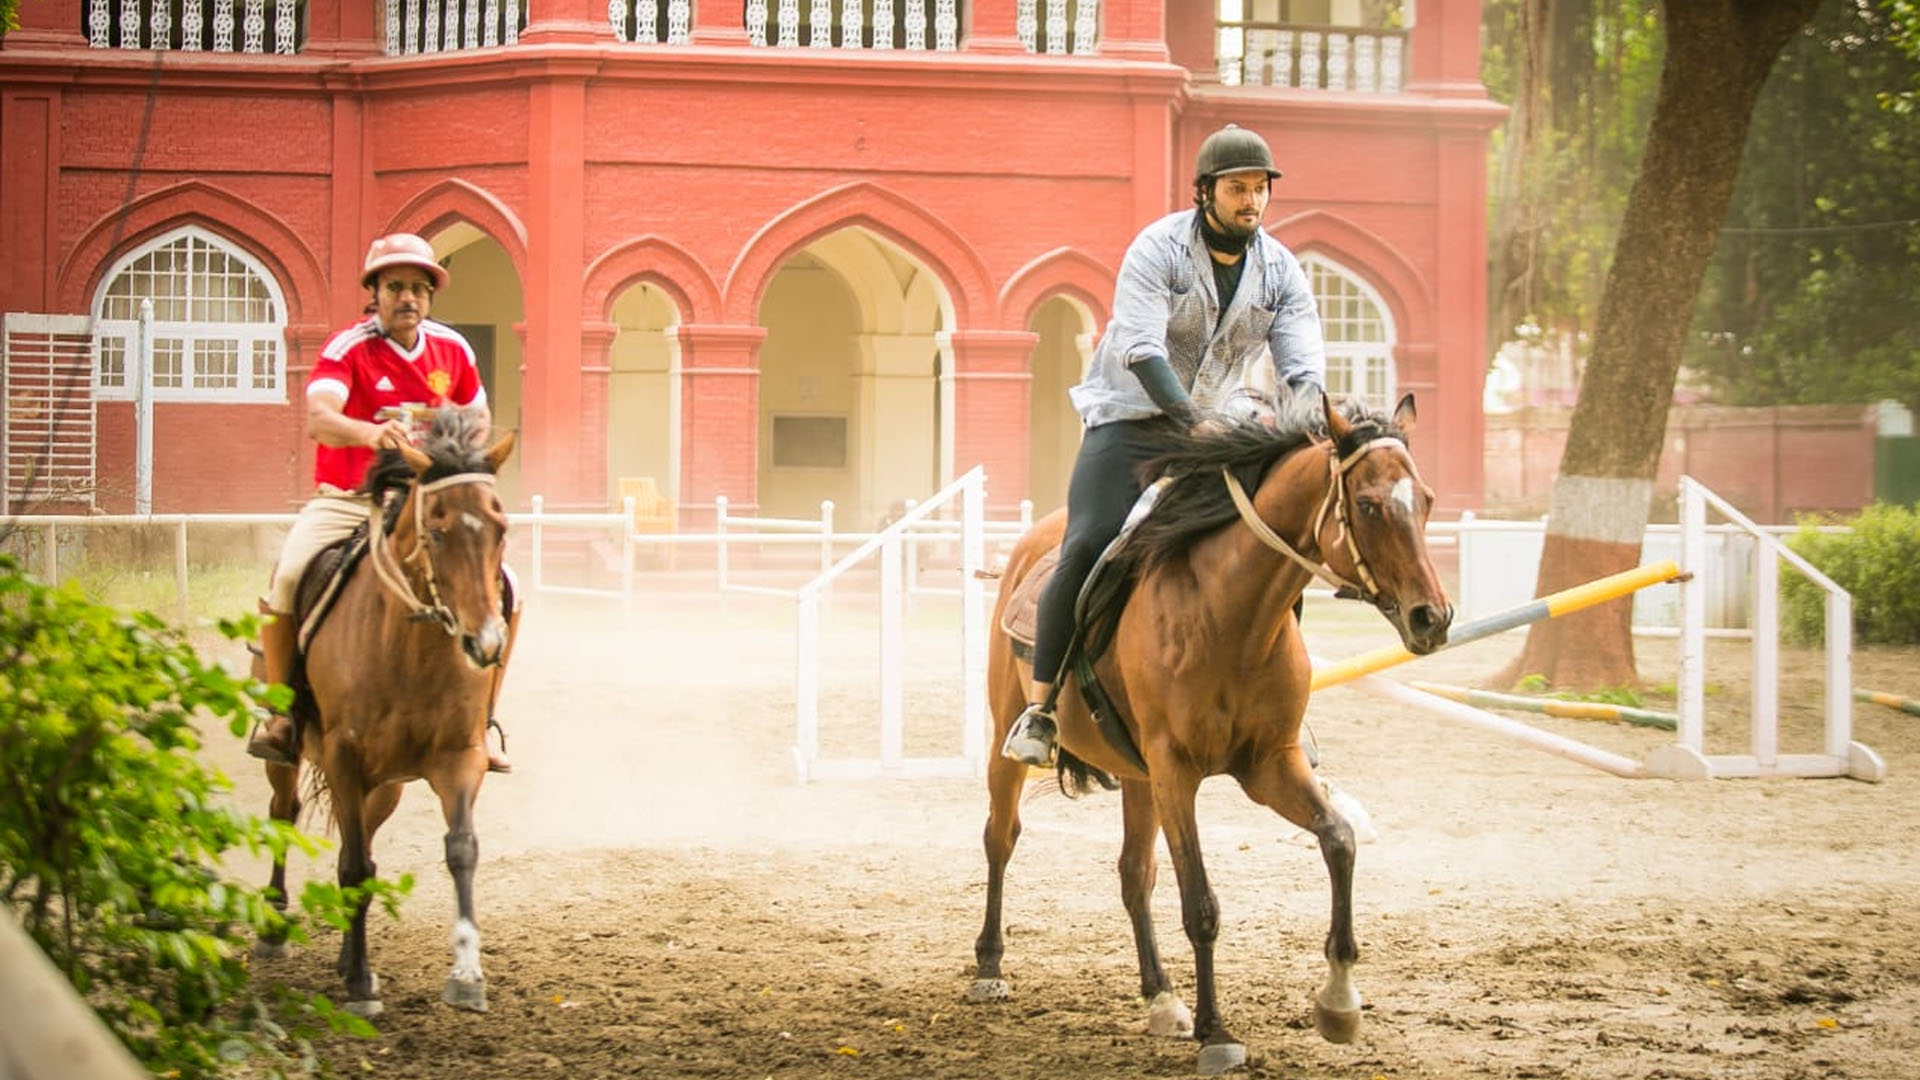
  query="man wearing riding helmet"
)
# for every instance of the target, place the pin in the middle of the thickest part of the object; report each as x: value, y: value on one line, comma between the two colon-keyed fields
x: 1202, y: 295
x: 394, y: 356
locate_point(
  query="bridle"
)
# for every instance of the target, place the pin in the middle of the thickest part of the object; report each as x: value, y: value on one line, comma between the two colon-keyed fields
x: 1335, y: 499
x: 388, y: 566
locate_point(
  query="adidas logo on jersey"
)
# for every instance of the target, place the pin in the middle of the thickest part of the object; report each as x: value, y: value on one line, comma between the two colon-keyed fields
x: 384, y: 384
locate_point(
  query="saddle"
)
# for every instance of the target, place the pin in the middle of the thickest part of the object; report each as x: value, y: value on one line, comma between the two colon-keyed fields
x: 1096, y: 616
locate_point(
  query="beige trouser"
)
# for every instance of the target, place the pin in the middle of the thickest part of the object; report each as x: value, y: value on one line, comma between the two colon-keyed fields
x: 328, y: 516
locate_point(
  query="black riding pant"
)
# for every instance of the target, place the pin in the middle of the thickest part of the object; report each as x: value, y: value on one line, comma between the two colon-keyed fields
x: 1103, y: 488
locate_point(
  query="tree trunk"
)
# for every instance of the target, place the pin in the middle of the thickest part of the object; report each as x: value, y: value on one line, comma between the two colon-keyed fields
x: 1717, y: 57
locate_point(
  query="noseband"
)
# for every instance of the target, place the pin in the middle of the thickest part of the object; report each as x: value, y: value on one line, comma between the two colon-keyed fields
x: 388, y: 567
x: 1336, y: 500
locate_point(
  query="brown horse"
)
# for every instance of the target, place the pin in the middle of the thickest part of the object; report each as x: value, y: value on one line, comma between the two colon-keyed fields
x: 1209, y: 675
x: 398, y: 681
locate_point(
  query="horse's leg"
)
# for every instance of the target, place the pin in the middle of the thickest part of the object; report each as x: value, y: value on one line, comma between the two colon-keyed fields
x: 466, y: 986
x: 284, y: 806
x: 1285, y: 782
x: 1173, y: 791
x: 350, y: 810
x: 1004, y: 779
x: 1166, y: 1013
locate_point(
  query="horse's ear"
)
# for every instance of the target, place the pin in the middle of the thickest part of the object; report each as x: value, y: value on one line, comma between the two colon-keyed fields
x: 1337, y: 425
x: 497, y: 453
x: 415, y: 457
x: 1404, y: 415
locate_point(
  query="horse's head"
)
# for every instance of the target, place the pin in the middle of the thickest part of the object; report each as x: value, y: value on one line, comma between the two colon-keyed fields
x: 1375, y: 535
x: 459, y: 534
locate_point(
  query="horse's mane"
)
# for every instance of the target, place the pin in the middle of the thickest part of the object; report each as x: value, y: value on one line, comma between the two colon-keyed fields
x: 1197, y: 502
x: 456, y: 442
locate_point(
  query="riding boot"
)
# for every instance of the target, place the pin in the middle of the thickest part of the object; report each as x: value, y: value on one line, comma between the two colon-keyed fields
x: 274, y: 739
x: 497, y: 762
x: 1031, y: 739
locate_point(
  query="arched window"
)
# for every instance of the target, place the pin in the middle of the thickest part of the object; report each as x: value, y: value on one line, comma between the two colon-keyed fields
x: 1359, y: 333
x: 219, y: 322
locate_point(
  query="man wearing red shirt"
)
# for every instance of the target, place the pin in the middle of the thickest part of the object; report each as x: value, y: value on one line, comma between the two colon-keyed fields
x: 395, y: 356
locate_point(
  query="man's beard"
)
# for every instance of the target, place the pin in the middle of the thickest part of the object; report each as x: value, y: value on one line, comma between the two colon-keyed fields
x: 1225, y: 237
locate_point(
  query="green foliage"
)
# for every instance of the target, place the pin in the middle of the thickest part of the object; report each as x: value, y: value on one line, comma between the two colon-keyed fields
x: 113, y: 832
x: 9, y: 15
x: 1606, y: 695
x: 1810, y: 295
x: 1878, y: 562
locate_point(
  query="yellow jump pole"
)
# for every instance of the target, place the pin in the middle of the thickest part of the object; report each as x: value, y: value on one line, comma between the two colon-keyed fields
x: 1564, y: 602
x: 1891, y: 701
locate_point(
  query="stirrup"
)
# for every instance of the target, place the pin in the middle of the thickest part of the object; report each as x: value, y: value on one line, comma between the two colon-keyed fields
x: 1031, y: 739
x: 262, y: 745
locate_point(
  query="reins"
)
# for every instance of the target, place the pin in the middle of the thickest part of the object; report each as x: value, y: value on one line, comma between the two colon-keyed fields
x: 1336, y: 499
x: 387, y: 567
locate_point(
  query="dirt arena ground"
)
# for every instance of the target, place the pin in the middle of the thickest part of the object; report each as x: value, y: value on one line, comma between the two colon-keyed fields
x: 660, y: 899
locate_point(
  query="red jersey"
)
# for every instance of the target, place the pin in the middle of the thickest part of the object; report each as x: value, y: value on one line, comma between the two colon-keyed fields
x: 371, y: 371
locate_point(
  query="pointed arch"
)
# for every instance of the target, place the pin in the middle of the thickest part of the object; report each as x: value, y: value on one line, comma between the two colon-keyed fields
x: 1062, y: 270
x: 456, y: 200
x: 195, y: 202
x: 654, y: 261
x: 885, y: 214
x: 1407, y: 294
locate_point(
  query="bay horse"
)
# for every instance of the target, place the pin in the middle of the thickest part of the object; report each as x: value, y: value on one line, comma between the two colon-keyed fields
x: 397, y: 681
x: 1207, y: 671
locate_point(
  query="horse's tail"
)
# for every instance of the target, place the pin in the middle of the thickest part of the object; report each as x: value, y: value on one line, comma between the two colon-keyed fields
x: 1078, y: 778
x: 316, y: 798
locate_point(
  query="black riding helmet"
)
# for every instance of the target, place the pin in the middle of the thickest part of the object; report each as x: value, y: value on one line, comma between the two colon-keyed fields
x: 1232, y: 149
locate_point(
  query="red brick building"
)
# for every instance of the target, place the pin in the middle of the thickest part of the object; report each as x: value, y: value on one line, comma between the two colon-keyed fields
x: 780, y: 250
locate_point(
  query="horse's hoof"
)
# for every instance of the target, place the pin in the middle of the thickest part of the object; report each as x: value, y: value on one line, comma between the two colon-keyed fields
x: 1168, y: 1017
x: 468, y: 994
x: 366, y: 1010
x: 1220, y: 1057
x: 268, y: 950
x: 1336, y: 1025
x: 985, y: 990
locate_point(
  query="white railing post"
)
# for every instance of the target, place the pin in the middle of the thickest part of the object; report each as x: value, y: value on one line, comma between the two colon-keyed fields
x: 1839, y: 675
x: 180, y: 567
x: 627, y: 505
x: 1026, y: 514
x: 973, y: 621
x: 913, y: 553
x: 143, y: 413
x: 826, y: 534
x: 720, y: 543
x: 539, y: 537
x: 806, y: 686
x: 1766, y: 649
x: 892, y: 654
x: 1693, y: 616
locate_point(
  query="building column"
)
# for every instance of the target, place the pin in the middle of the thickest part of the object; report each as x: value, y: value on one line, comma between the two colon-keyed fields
x: 596, y: 378
x: 553, y: 395
x: 720, y: 23
x: 570, y: 21
x: 993, y: 26
x: 1446, y: 50
x: 991, y: 381
x: 1135, y: 30
x: 48, y: 24
x: 1460, y: 295
x: 719, y: 395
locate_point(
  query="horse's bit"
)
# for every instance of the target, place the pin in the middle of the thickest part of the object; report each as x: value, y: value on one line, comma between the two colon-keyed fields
x: 387, y: 567
x: 1336, y: 498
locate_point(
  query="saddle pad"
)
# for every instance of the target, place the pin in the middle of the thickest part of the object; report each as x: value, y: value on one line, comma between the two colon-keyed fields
x: 1022, y: 613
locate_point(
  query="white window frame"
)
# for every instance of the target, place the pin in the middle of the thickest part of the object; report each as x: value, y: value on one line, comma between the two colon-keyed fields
x: 248, y: 390
x: 1352, y: 362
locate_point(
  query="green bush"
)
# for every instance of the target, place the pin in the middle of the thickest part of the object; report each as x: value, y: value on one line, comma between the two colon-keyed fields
x: 113, y: 831
x: 1878, y: 562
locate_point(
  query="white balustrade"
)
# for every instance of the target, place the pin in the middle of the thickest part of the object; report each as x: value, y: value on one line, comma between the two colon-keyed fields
x: 190, y: 25
x: 946, y: 25
x: 392, y: 47
x: 1337, y: 46
x: 286, y: 33
x: 883, y: 24
x: 679, y: 22
x: 757, y: 22
x: 490, y: 23
x: 222, y: 25
x: 99, y: 24
x: 820, y: 24
x: 1086, y: 21
x: 160, y: 22
x: 256, y: 26
x: 430, y: 35
x: 850, y: 24
x: 646, y: 25
x: 1026, y: 24
x: 1056, y: 27
x: 789, y: 24
x: 470, y: 30
x: 129, y: 26
x: 916, y: 24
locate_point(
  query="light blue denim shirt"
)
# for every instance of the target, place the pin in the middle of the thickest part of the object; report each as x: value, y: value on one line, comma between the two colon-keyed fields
x: 1165, y: 306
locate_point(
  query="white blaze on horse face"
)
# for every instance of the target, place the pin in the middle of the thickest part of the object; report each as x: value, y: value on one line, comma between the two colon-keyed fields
x: 1401, y: 495
x: 472, y: 520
